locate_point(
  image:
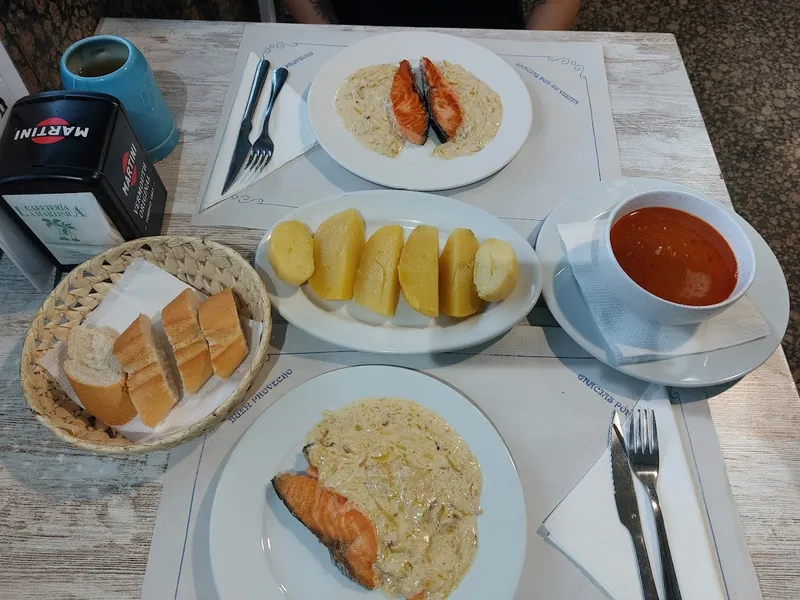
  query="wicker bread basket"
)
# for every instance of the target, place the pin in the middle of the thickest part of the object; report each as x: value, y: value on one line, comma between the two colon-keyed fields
x: 205, y: 265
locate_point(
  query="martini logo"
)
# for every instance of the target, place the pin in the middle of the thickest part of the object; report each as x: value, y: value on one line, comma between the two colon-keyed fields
x: 129, y: 169
x: 51, y: 131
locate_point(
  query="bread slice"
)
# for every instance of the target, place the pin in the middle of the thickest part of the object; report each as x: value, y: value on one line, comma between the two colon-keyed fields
x: 179, y: 319
x: 96, y: 375
x: 496, y: 270
x: 219, y: 320
x: 151, y: 380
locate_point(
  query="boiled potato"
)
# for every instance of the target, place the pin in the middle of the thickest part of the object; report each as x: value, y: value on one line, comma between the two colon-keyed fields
x: 457, y: 294
x: 291, y: 252
x: 496, y: 270
x: 337, y: 247
x: 419, y: 270
x: 377, y: 284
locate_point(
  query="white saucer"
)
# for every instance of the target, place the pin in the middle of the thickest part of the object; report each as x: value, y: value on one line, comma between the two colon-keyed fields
x: 563, y: 296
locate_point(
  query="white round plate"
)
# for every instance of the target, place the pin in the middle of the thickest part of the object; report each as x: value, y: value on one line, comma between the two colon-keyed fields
x: 259, y: 550
x: 415, y: 168
x: 408, y: 332
x: 565, y: 301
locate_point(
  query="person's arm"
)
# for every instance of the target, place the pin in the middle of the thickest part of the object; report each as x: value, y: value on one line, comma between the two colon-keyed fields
x: 314, y: 12
x: 554, y: 15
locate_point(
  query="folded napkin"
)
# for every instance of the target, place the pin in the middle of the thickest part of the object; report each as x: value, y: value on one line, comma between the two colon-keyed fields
x: 586, y: 528
x: 632, y: 339
x: 288, y: 127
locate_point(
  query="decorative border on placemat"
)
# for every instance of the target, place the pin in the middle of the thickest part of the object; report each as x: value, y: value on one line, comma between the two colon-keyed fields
x: 578, y: 68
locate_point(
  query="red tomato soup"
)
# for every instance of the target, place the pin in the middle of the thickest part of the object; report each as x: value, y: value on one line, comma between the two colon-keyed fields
x: 675, y: 255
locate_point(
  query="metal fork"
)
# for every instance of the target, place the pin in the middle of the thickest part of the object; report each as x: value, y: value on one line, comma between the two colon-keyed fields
x: 261, y: 151
x: 641, y: 443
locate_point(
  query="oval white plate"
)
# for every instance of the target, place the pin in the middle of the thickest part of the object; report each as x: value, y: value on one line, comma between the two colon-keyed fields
x: 349, y: 325
x: 259, y: 550
x: 415, y: 168
x: 563, y: 295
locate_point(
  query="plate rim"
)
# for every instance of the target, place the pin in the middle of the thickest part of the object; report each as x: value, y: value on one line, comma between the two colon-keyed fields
x: 406, y: 183
x: 407, y: 372
x: 638, y: 185
x: 434, y: 343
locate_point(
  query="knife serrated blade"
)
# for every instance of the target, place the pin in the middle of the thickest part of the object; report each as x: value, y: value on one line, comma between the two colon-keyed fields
x: 628, y: 508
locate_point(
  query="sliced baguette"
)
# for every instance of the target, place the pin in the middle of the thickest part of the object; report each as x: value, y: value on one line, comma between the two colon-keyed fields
x: 151, y: 381
x: 96, y: 376
x: 179, y: 319
x: 219, y: 320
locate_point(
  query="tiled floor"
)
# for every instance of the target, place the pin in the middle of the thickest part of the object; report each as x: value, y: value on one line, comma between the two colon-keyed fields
x: 743, y: 58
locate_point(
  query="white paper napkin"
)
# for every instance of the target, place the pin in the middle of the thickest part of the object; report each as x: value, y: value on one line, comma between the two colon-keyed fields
x: 144, y: 288
x: 586, y: 528
x: 289, y: 129
x: 631, y: 338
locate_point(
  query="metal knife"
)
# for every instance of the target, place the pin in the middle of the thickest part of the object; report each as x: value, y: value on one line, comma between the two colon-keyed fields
x: 628, y: 508
x: 242, y: 142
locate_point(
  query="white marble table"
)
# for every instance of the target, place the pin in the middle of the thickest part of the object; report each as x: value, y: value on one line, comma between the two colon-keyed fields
x: 74, y: 525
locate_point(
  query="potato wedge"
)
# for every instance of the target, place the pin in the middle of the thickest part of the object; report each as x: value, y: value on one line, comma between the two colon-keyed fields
x: 457, y: 294
x: 291, y: 252
x: 496, y: 270
x: 377, y: 285
x: 338, y: 243
x: 418, y: 270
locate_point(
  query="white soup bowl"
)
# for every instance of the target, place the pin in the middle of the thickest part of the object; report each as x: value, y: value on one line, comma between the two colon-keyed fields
x: 657, y: 309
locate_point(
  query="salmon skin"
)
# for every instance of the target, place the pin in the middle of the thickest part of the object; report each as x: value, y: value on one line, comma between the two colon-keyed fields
x: 314, y: 506
x: 348, y: 534
x: 407, y: 107
x: 441, y: 100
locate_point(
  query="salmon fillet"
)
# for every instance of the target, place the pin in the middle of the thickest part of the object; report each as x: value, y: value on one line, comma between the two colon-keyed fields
x: 443, y: 107
x: 407, y: 107
x: 348, y: 534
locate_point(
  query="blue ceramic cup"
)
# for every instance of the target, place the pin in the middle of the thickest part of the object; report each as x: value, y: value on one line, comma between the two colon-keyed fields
x: 112, y: 65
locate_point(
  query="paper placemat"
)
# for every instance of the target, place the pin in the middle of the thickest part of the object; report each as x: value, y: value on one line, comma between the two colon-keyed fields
x: 552, y: 409
x: 572, y: 142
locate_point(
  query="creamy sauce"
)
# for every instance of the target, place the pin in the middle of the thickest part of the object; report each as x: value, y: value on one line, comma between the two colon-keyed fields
x: 406, y: 469
x: 482, y: 111
x: 362, y: 103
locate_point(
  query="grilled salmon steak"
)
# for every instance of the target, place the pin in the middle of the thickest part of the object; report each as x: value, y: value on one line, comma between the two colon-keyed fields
x: 407, y: 107
x: 348, y: 534
x: 443, y: 107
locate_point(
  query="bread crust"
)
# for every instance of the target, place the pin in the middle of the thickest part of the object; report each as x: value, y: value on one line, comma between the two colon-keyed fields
x: 179, y: 319
x: 219, y: 320
x: 151, y: 384
x: 109, y: 403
